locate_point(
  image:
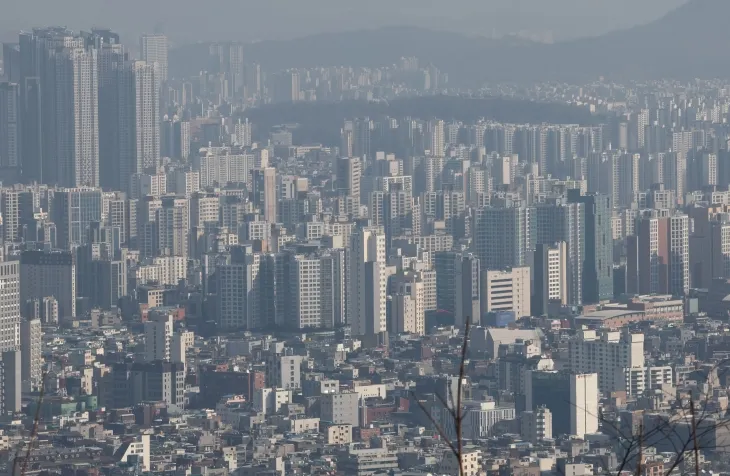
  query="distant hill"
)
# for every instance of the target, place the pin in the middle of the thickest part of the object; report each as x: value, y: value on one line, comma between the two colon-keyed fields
x: 686, y: 43
x: 320, y: 122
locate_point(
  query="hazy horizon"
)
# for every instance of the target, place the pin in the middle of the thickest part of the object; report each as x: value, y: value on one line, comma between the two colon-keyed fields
x: 249, y: 20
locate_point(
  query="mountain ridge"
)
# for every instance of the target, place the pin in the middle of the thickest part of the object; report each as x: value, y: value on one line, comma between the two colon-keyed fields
x: 685, y: 43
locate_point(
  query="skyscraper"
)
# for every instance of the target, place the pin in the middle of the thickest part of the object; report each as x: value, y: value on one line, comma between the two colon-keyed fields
x: 76, y: 89
x: 112, y: 57
x: 153, y: 48
x: 139, y: 120
x: 597, y: 276
x: 10, y: 124
x: 367, y: 286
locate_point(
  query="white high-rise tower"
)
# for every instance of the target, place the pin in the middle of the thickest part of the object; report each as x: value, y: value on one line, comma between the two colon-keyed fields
x: 153, y: 48
x: 367, y: 286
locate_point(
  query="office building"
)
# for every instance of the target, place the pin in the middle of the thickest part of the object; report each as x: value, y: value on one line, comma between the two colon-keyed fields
x: 551, y: 389
x: 480, y: 418
x: 507, y: 290
x: 583, y: 404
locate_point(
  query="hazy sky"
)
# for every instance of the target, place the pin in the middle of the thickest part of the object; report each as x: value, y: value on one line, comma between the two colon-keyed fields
x: 191, y: 20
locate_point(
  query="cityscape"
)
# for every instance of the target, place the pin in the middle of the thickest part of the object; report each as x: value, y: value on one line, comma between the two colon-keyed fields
x: 292, y: 258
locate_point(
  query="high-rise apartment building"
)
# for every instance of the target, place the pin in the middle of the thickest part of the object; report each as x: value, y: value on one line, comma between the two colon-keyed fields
x: 264, y: 192
x: 658, y: 256
x: 76, y: 115
x: 239, y: 292
x: 607, y: 353
x: 467, y: 290
x: 503, y: 237
x: 549, y: 277
x: 349, y: 172
x: 153, y: 49
x: 173, y: 226
x: 10, y: 309
x: 565, y: 222
x: 597, y: 273
x: 583, y: 404
x: 367, y: 288
x: 138, y: 109
x: 10, y: 376
x: 31, y: 335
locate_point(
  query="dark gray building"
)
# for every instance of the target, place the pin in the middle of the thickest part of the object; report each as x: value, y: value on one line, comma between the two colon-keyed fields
x: 598, y: 262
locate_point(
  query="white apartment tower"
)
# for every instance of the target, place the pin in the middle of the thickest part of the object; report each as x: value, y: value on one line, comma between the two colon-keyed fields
x: 10, y: 308
x: 239, y: 293
x: 158, y: 336
x: 610, y: 354
x: 153, y: 48
x: 583, y: 404
x: 366, y: 297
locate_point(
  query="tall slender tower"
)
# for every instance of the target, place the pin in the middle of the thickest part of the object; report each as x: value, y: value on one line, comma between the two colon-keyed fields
x: 10, y: 117
x: 76, y: 115
x: 153, y: 48
x: 367, y: 286
x: 111, y: 58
